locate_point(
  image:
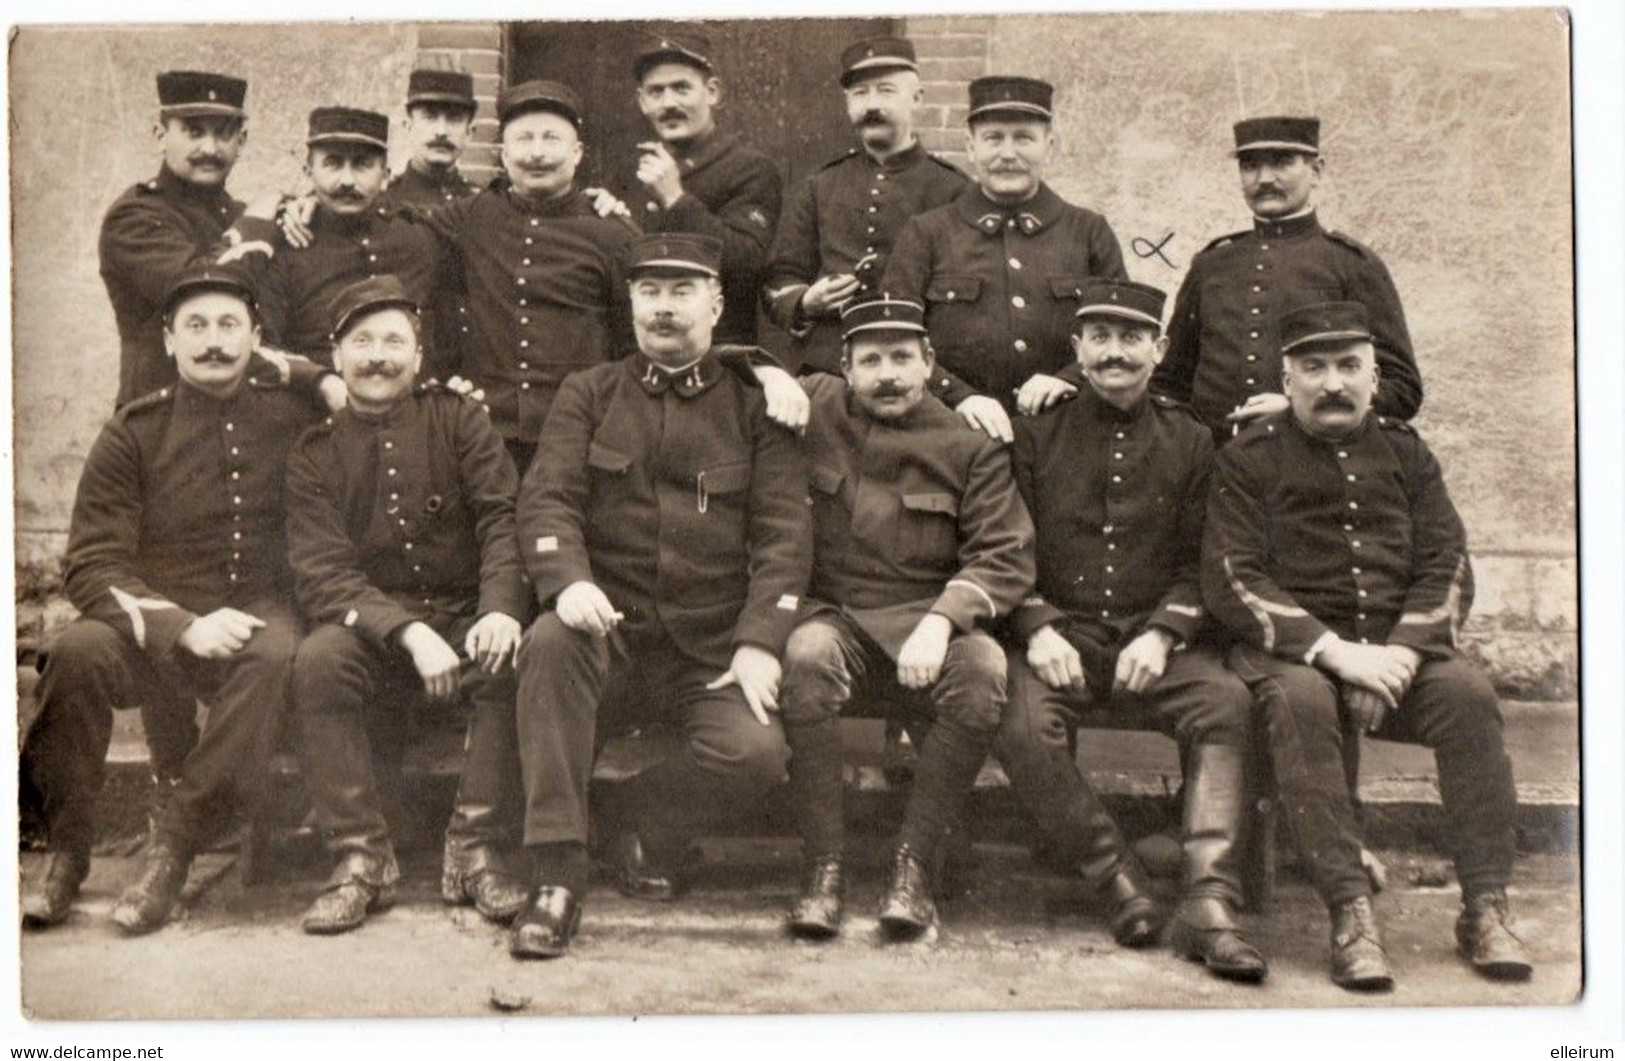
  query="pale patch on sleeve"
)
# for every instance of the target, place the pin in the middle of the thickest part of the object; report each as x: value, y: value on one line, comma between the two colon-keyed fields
x: 351, y: 617
x: 1188, y: 610
x: 788, y: 602
x: 549, y: 544
x: 133, y: 606
x: 992, y: 609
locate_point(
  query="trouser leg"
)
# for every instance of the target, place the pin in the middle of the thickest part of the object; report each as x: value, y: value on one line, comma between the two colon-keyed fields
x: 91, y: 670
x: 820, y: 661
x: 968, y: 701
x: 335, y: 674
x: 488, y: 787
x: 562, y: 675
x: 1034, y: 746
x: 1452, y: 708
x: 1299, y: 708
x: 171, y: 735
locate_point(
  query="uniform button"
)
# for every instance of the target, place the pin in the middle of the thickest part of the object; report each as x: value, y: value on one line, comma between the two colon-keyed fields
x: 1365, y: 641
x: 392, y: 471
x: 231, y: 427
x: 951, y: 296
x: 1354, y: 570
x: 524, y: 320
x: 365, y: 242
x: 1259, y: 267
x: 1018, y: 302
x: 1121, y: 435
x: 1360, y: 616
x: 880, y: 176
x: 236, y: 536
x: 1106, y: 592
x: 523, y: 302
x: 232, y: 577
x: 402, y: 522
x: 1252, y: 335
x: 871, y: 230
x: 388, y: 444
x: 524, y: 386
x: 1020, y: 345
x: 417, y: 567
x: 1348, y: 526
x: 237, y: 499
x: 524, y: 261
x: 1263, y: 246
x: 1252, y: 357
x: 869, y: 249
x: 524, y: 342
x: 1355, y: 543
x: 1117, y: 456
x: 1117, y: 478
x: 522, y: 284
x: 1015, y: 263
x: 1354, y: 478
x: 1254, y: 311
x: 1111, y: 546
x: 1343, y: 454
x: 1107, y: 529
x: 394, y: 497
x: 528, y: 241
x: 407, y: 547
x: 372, y: 257
x: 234, y: 451
x: 236, y: 475
x: 1361, y: 592
x: 874, y: 191
x: 874, y: 209
x: 1354, y: 504
x: 1256, y: 289
x: 1110, y: 569
x: 1010, y: 223
x: 1251, y: 382
x: 1104, y: 614
x: 524, y: 364
x: 534, y: 222
x: 651, y: 206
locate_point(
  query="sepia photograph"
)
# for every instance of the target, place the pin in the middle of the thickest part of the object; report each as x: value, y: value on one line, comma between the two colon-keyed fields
x: 922, y: 513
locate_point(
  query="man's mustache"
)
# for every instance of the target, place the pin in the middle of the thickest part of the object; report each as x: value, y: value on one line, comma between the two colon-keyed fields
x: 441, y: 141
x: 1334, y: 401
x: 889, y: 390
x: 1008, y: 167
x: 874, y: 118
x: 671, y: 114
x: 1265, y: 189
x: 1115, y: 362
x: 215, y: 355
x: 208, y: 160
x: 385, y: 369
x: 347, y: 195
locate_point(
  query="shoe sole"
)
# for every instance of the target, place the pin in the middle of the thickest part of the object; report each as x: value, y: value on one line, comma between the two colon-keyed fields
x: 812, y: 930
x: 1370, y: 985
x: 899, y: 927
x: 1181, y: 944
x: 1511, y: 972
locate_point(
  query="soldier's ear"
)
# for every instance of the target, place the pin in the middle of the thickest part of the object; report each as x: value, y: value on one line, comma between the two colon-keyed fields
x: 1159, y: 349
x: 713, y: 90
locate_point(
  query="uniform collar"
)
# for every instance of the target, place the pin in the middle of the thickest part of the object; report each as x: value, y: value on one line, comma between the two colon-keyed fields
x: 346, y: 224
x: 393, y: 417
x: 190, y: 399
x: 1101, y: 408
x: 915, y: 416
x: 1354, y: 438
x: 704, y: 150
x: 566, y: 205
x: 448, y: 180
x: 695, y: 379
x: 911, y: 155
x: 1287, y: 227
x: 169, y: 184
x: 1030, y: 217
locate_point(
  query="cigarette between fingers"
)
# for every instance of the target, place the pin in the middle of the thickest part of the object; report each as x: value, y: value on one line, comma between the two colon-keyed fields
x: 617, y: 616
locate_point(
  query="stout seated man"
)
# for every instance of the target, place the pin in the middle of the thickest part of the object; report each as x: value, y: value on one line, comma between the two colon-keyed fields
x: 400, y: 530
x: 921, y: 540
x: 1334, y: 554
x: 177, y: 563
x: 664, y: 523
x: 1117, y: 485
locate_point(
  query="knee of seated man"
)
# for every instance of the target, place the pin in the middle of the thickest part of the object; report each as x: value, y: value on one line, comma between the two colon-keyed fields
x: 83, y: 643
x: 1467, y: 691
x: 749, y: 752
x: 1226, y: 714
x: 972, y: 689
x: 328, y: 658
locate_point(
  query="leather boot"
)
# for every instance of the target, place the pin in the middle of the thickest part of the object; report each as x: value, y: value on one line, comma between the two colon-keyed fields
x: 640, y: 876
x: 475, y: 867
x: 52, y: 900
x: 1359, y: 962
x: 147, y: 904
x: 817, y: 910
x: 472, y: 872
x: 950, y: 758
x: 1136, y: 919
x: 1485, y: 938
x: 546, y: 926
x: 1204, y: 927
x: 907, y: 911
x: 360, y: 885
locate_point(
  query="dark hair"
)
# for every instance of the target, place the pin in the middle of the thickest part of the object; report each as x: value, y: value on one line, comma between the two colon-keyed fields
x: 356, y: 318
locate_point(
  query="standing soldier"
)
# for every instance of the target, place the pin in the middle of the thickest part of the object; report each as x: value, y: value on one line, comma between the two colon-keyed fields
x: 1335, y: 555
x: 1117, y: 485
x: 177, y: 562
x: 664, y: 523
x: 836, y: 237
x: 440, y: 110
x: 1001, y: 268
x: 353, y: 236
x: 181, y: 218
x: 920, y: 542
x: 1224, y: 339
x: 400, y: 531
x: 694, y: 178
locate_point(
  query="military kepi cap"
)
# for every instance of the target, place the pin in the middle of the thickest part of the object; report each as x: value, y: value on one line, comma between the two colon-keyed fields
x: 365, y: 296
x: 451, y: 87
x: 193, y: 94
x: 672, y: 45
x: 1122, y: 298
x: 675, y: 252
x: 227, y: 279
x: 1321, y: 324
x: 882, y: 312
x: 877, y: 55
x: 528, y: 96
x: 346, y: 125
x: 1011, y: 97
x: 1278, y: 133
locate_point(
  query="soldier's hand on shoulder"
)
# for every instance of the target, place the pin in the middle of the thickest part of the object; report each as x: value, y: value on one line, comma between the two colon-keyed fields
x: 605, y: 204
x: 220, y: 634
x: 492, y: 641
x: 919, y: 661
x: 787, y: 402
x: 988, y: 417
x: 335, y: 395
x: 583, y: 607
x: 756, y: 671
x: 1256, y: 406
x: 1055, y: 661
x: 264, y: 207
x: 1143, y: 661
x: 1042, y: 391
x: 436, y: 662
x: 294, y: 220
x: 825, y: 296
x: 465, y: 388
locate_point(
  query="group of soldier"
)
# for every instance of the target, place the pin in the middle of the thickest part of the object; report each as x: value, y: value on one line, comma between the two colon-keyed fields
x: 997, y: 496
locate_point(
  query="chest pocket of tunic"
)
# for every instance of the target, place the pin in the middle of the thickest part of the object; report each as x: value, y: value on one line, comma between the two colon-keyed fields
x: 609, y: 467
x: 951, y: 289
x: 929, y: 533
x: 1067, y: 288
x: 723, y: 482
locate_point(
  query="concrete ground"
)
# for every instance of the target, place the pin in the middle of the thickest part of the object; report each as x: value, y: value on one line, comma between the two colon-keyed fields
x: 1018, y: 939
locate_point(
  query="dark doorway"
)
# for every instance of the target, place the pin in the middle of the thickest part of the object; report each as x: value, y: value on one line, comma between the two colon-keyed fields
x: 780, y: 85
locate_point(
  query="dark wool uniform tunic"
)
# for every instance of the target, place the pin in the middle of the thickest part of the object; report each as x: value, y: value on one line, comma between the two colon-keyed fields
x: 1358, y: 538
x: 1224, y: 341
x: 151, y: 234
x: 852, y: 209
x: 1118, y: 497
x: 1000, y: 286
x: 547, y: 289
x: 733, y: 192
x: 297, y: 295
x: 452, y: 322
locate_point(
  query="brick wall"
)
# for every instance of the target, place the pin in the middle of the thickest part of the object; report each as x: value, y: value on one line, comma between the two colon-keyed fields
x: 480, y: 49
x: 952, y: 52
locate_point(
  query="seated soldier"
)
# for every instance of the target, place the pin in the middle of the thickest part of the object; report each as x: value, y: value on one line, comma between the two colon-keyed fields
x: 1334, y: 554
x: 1117, y: 485
x: 664, y: 522
x: 177, y: 564
x: 400, y: 530
x: 921, y: 540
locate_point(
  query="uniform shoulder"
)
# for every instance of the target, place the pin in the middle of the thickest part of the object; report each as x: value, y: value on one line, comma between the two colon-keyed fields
x: 945, y: 164
x: 316, y: 434
x: 848, y: 154
x: 1262, y: 435
x: 1343, y: 239
x: 1173, y: 408
x: 144, y: 406
x: 1225, y: 240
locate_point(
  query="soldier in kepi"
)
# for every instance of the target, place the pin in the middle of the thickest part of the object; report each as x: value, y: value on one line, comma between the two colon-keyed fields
x: 694, y: 178
x: 837, y: 233
x: 182, y: 218
x: 1116, y: 482
x: 921, y: 542
x: 665, y: 526
x: 1000, y: 269
x: 1334, y: 554
x: 1224, y: 338
x: 400, y: 532
x: 177, y: 562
